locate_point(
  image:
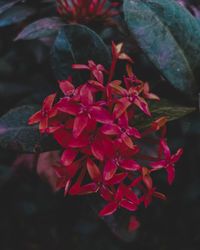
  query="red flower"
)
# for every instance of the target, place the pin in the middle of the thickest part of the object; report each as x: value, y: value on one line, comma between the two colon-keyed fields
x: 129, y: 97
x: 42, y: 117
x: 98, y: 184
x: 125, y: 198
x: 65, y: 175
x: 118, y: 54
x: 86, y: 11
x: 68, y: 89
x: 149, y: 95
x: 168, y: 162
x: 119, y: 156
x: 122, y: 130
x: 84, y: 111
x: 147, y: 197
x: 96, y: 70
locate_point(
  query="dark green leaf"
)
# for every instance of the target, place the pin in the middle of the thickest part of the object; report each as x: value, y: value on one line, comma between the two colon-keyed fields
x: 16, y: 134
x: 170, y: 36
x: 77, y: 44
x: 162, y: 108
x: 191, y: 124
x: 6, y: 4
x: 15, y: 15
x: 41, y: 28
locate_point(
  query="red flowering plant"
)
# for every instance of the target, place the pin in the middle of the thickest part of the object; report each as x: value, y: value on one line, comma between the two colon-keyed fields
x: 102, y: 149
x: 87, y: 11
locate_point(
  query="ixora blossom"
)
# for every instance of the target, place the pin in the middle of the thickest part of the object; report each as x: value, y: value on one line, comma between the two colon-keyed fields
x: 102, y: 150
x: 87, y: 11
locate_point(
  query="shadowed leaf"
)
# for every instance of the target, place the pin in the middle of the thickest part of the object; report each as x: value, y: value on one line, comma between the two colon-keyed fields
x: 77, y: 44
x: 16, y: 134
x: 41, y: 28
x: 15, y: 15
x: 165, y: 108
x: 170, y: 37
x: 6, y: 4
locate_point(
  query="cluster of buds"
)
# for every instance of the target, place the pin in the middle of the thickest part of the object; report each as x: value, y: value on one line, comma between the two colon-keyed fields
x: 102, y: 150
x: 87, y: 11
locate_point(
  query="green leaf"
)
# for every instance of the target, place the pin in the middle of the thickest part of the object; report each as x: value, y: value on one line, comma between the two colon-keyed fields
x: 6, y: 4
x: 191, y: 124
x: 165, y: 108
x: 77, y: 44
x: 14, y: 15
x: 16, y: 134
x: 41, y: 28
x: 170, y: 37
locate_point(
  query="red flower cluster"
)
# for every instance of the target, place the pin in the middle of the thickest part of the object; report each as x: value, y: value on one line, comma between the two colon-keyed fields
x: 102, y: 150
x: 86, y: 11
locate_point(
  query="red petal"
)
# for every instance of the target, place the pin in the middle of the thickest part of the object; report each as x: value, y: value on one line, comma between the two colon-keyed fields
x: 110, y: 129
x: 79, y: 142
x: 159, y: 123
x: 101, y: 115
x: 120, y: 192
x: 177, y: 156
x: 158, y: 164
x: 160, y: 196
x: 43, y: 124
x: 80, y: 123
x: 170, y: 174
x: 116, y: 179
x: 130, y: 165
x: 35, y: 118
x: 66, y: 87
x: 62, y: 136
x: 105, y: 193
x: 68, y: 157
x: 88, y: 189
x: 68, y: 107
x: 134, y: 132
x: 73, y: 168
x: 130, y: 195
x: 165, y: 149
x: 109, y: 209
x: 121, y: 107
x: 109, y: 170
x: 142, y: 104
x: 98, y: 75
x: 128, y: 205
x: 147, y: 178
x: 93, y: 170
x: 86, y: 95
x: 97, y: 150
x: 96, y: 84
x: 127, y: 140
x: 123, y: 120
x: 48, y: 102
x: 124, y: 56
x: 79, y: 66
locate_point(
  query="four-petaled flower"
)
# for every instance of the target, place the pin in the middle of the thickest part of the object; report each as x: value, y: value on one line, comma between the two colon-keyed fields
x: 168, y: 162
x: 42, y: 117
x: 84, y: 111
